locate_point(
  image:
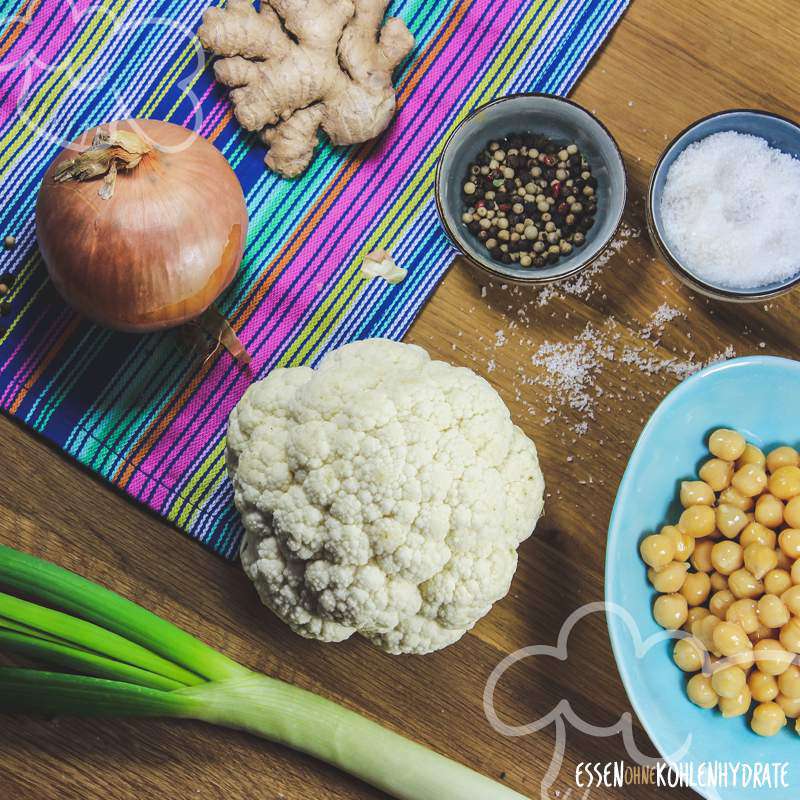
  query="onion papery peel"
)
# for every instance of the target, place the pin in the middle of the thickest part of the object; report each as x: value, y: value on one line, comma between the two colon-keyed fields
x: 125, y: 661
x: 110, y: 150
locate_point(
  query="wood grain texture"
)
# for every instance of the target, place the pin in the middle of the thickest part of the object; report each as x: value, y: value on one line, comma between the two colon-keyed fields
x: 667, y: 64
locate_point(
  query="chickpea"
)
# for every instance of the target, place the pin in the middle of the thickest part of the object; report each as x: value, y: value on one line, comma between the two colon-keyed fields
x: 782, y: 457
x: 703, y: 630
x: 762, y: 632
x: 689, y: 654
x: 784, y: 483
x: 752, y: 455
x: 730, y: 520
x: 727, y: 557
x: 791, y: 598
x: 763, y: 687
x: 700, y: 691
x: 750, y: 480
x: 717, y: 473
x: 698, y: 521
x: 789, y: 682
x: 701, y: 558
x: 789, y: 542
x: 744, y: 613
x: 744, y: 584
x: 729, y: 639
x: 733, y: 497
x: 794, y: 573
x: 790, y: 635
x: 768, y: 719
x: 695, y: 615
x: 670, y: 578
x: 727, y: 444
x: 769, y: 511
x: 777, y: 581
x: 784, y: 562
x: 657, y: 550
x: 728, y: 681
x: 670, y: 611
x: 790, y: 705
x: 736, y: 706
x: 791, y: 513
x: 772, y: 611
x: 696, y: 588
x: 759, y: 560
x: 697, y: 493
x: 756, y: 533
x: 772, y: 658
x: 684, y: 544
x: 719, y: 582
x: 720, y: 602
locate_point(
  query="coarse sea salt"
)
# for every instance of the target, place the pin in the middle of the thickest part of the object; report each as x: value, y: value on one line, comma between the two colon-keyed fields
x: 730, y: 207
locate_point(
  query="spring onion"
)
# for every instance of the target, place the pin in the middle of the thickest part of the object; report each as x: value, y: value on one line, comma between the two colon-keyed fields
x: 126, y: 661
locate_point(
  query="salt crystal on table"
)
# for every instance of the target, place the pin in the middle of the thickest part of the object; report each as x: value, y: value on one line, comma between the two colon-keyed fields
x: 730, y: 207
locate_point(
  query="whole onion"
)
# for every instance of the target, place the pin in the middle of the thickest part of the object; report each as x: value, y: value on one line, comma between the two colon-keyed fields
x: 142, y: 225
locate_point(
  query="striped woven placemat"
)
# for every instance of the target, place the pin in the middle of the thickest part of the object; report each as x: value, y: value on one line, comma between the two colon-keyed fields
x: 135, y: 409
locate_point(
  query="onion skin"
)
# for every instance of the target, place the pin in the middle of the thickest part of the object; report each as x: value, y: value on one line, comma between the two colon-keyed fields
x: 162, y: 248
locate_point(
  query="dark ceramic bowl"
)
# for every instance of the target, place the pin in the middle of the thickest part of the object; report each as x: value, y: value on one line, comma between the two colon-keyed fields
x: 558, y: 119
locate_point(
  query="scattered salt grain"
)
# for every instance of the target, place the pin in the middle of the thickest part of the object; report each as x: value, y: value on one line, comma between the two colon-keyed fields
x: 584, y: 284
x: 730, y: 208
x: 570, y: 369
x: 659, y: 319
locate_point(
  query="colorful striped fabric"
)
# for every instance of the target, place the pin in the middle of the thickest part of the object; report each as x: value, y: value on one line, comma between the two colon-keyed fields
x: 138, y: 410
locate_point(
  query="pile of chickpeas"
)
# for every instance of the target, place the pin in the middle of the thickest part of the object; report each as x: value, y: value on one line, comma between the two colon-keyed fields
x: 728, y: 577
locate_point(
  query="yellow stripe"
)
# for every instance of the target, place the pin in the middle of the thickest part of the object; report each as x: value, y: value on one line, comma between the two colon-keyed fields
x: 214, y: 463
x: 197, y: 487
x: 51, y: 90
x: 21, y: 313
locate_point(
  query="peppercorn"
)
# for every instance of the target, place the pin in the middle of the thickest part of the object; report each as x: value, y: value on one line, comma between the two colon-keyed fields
x: 10, y: 242
x: 5, y: 307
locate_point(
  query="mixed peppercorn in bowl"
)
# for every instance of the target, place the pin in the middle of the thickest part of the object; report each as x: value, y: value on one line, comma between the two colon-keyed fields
x: 531, y: 188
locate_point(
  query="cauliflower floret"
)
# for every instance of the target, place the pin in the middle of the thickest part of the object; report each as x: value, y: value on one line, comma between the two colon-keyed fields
x: 383, y: 494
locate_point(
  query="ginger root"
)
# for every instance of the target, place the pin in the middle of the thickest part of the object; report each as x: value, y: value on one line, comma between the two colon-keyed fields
x: 297, y: 65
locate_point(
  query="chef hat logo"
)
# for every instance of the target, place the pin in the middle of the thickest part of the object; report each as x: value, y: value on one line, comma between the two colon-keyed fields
x: 562, y: 716
x: 118, y: 94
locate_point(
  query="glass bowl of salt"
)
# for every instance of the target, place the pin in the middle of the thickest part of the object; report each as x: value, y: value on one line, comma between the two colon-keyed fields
x: 723, y: 207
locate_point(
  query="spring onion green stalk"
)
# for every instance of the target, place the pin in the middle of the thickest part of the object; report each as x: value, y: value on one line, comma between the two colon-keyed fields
x: 129, y: 662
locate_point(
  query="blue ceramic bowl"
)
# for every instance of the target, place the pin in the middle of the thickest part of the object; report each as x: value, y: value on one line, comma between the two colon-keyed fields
x: 744, y: 394
x: 780, y: 132
x: 558, y: 119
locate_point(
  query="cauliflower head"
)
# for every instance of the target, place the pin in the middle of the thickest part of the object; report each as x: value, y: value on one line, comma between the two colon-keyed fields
x: 383, y: 494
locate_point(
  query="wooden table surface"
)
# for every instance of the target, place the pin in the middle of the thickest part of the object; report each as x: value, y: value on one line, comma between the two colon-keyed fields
x: 667, y: 63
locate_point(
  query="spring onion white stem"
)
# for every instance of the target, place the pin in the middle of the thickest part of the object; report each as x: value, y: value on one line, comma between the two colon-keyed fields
x: 132, y: 663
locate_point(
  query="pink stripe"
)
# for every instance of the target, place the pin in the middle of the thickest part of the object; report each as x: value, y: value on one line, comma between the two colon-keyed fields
x: 37, y: 353
x: 197, y: 105
x: 190, y: 426
x: 61, y: 19
x: 213, y: 117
